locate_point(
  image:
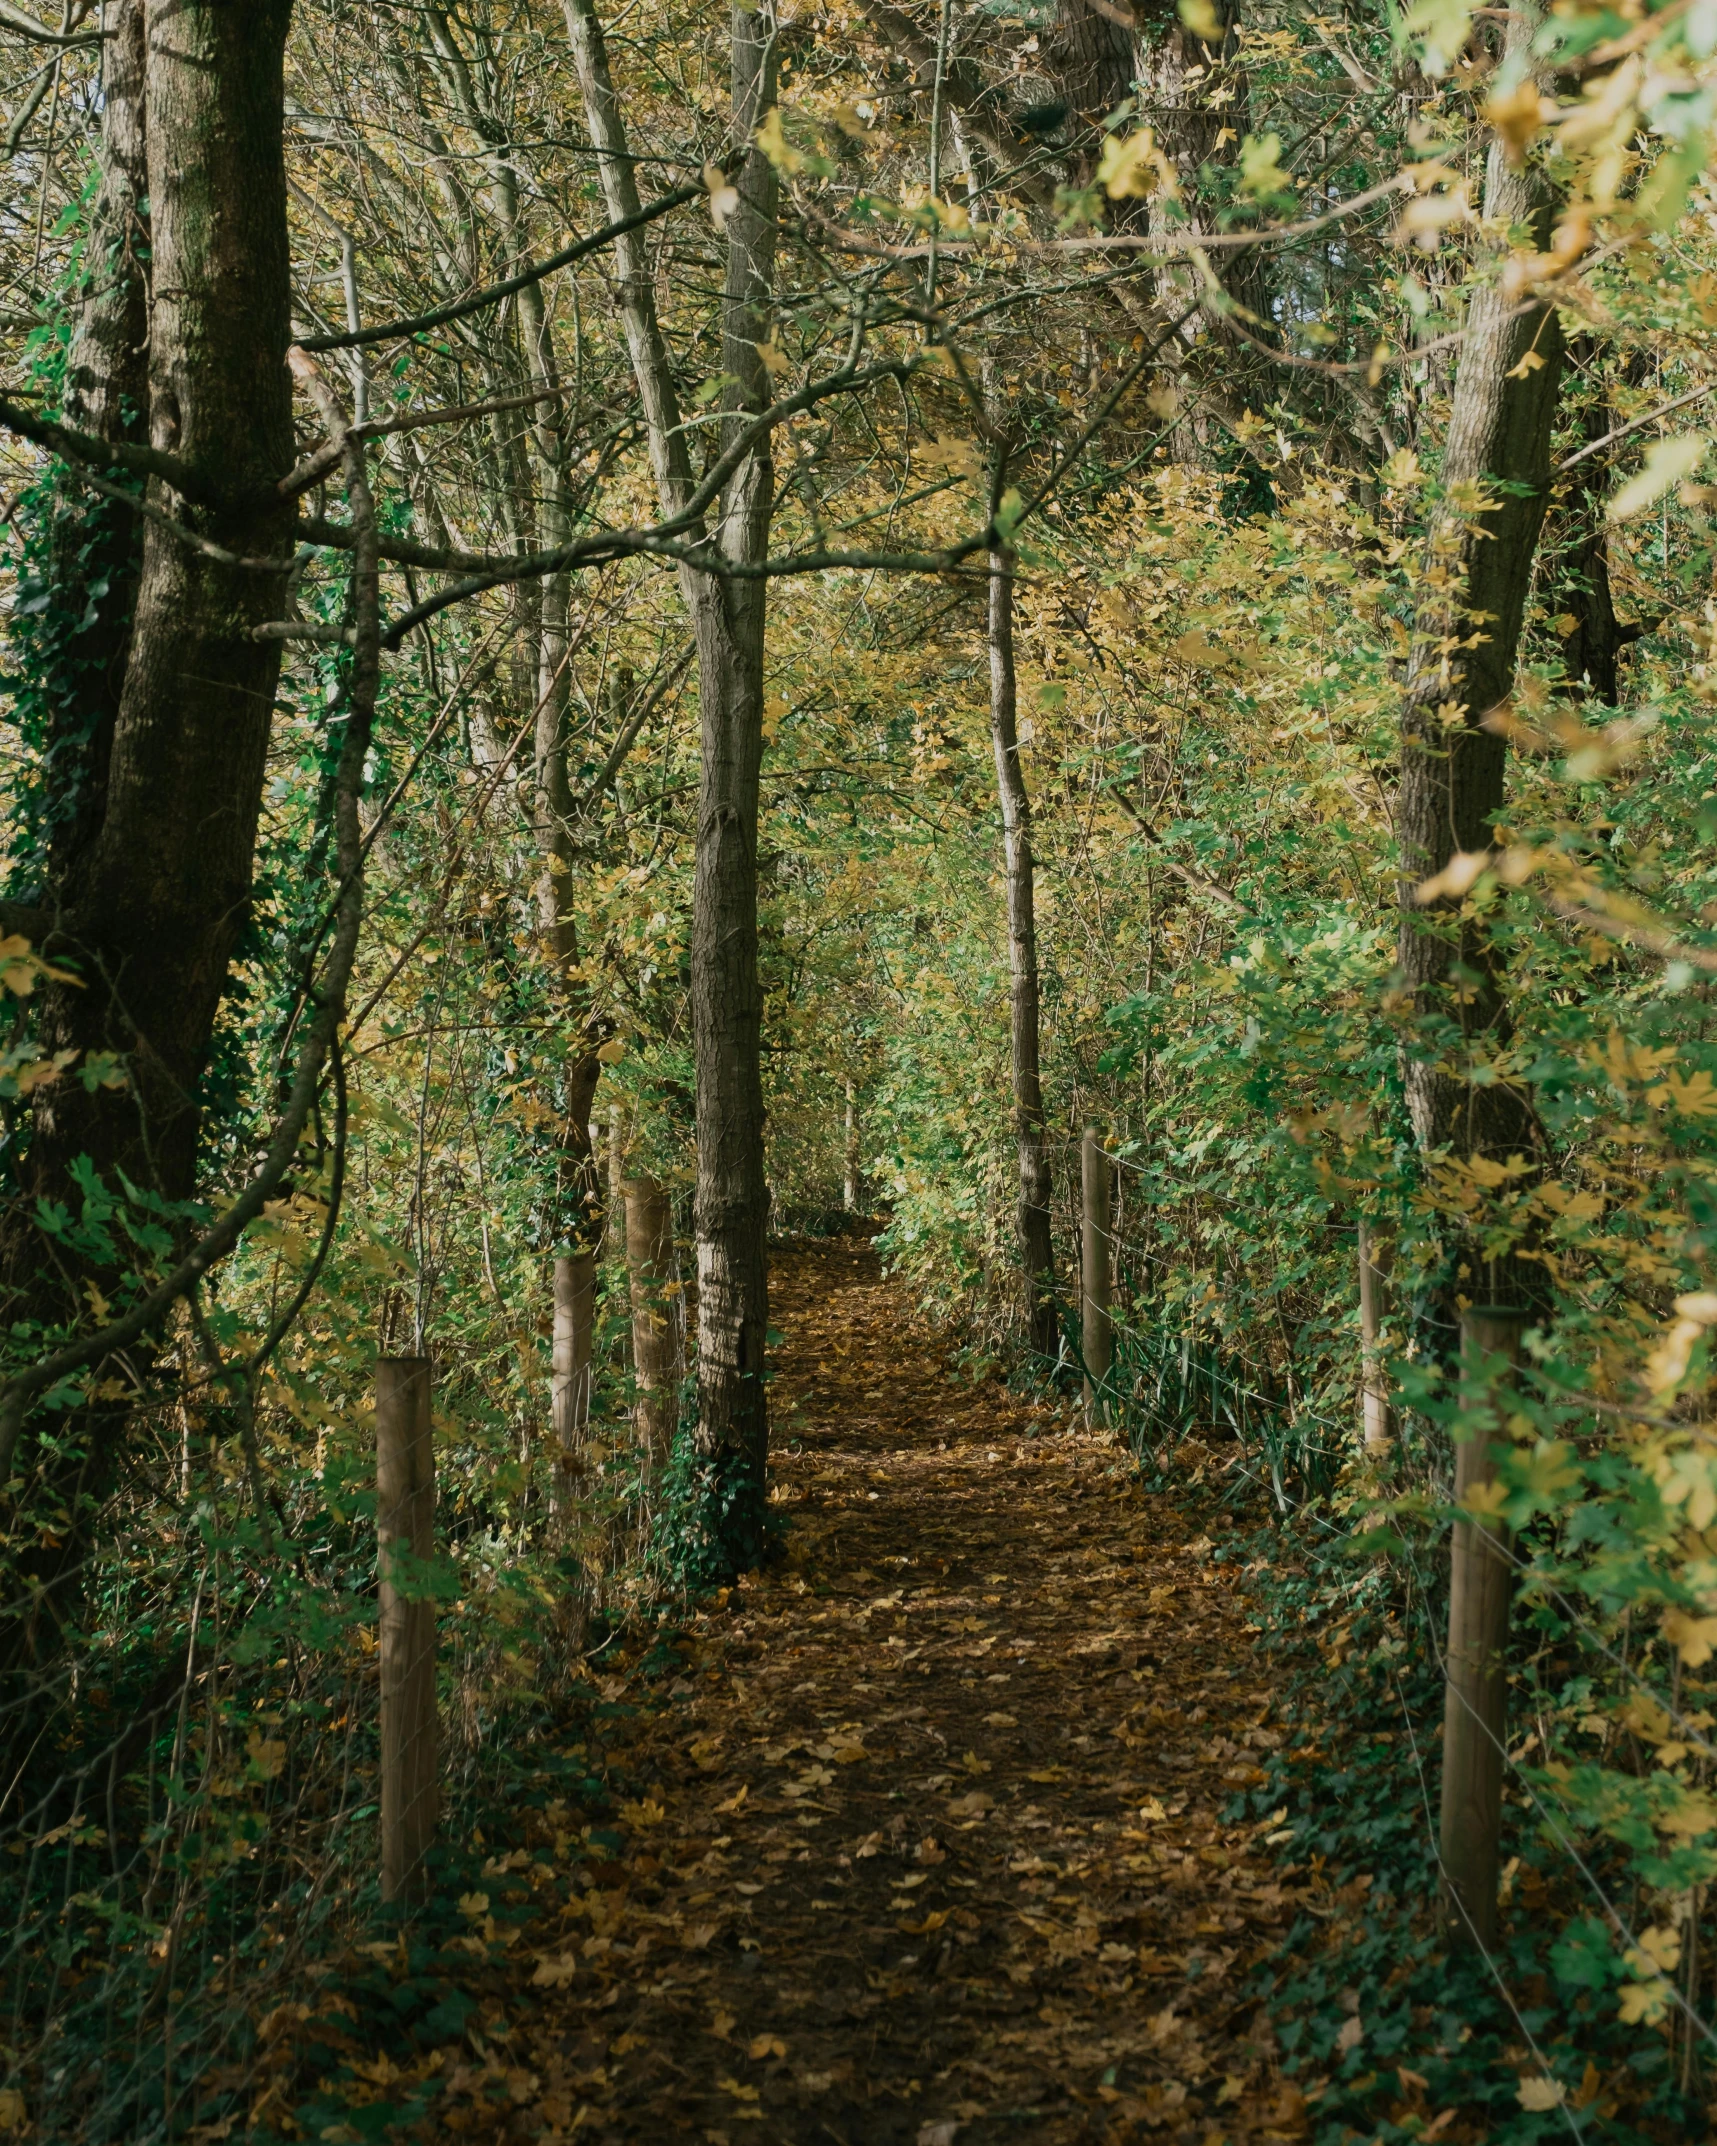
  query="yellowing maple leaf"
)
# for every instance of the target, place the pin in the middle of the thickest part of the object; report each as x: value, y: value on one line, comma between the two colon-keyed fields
x: 1133, y: 164
x: 1694, y: 1097
x: 1693, y: 1638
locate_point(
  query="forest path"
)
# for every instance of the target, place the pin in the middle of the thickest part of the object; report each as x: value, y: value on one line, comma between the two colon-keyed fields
x: 923, y: 1841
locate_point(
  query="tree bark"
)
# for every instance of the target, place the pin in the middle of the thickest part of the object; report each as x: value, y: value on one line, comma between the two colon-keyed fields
x: 1461, y: 667
x: 728, y: 620
x: 1092, y: 58
x: 95, y: 554
x: 1592, y: 650
x: 1036, y: 1252
x: 658, y: 1314
x: 153, y: 896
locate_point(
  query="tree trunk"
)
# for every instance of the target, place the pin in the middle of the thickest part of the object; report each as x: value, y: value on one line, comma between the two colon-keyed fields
x: 1452, y: 766
x: 154, y: 895
x: 1097, y: 1273
x: 1037, y: 1259
x: 1592, y: 649
x: 851, y: 1189
x: 569, y: 1389
x: 728, y: 619
x: 1092, y: 58
x: 658, y: 1314
x: 76, y: 657
x: 1377, y: 1411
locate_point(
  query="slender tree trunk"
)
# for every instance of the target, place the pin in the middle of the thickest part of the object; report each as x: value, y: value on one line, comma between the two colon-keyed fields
x: 728, y: 619
x: 539, y: 517
x: 1377, y: 1411
x: 851, y: 1189
x: 1452, y: 765
x: 1592, y: 649
x: 155, y: 891
x: 1036, y: 1253
x: 569, y: 1390
x: 658, y: 1314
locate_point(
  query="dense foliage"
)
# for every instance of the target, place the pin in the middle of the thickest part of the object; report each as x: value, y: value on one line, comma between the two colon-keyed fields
x: 1169, y: 316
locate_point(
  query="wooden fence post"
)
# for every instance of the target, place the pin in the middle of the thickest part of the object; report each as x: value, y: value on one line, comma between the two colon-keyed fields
x: 1374, y: 1264
x: 1096, y: 1339
x: 1475, y: 1707
x: 658, y: 1313
x: 405, y: 1524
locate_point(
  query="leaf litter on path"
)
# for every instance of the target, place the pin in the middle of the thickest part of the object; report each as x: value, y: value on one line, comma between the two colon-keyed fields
x: 924, y: 1843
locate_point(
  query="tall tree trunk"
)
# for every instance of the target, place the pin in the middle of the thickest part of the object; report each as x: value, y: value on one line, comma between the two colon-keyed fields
x: 538, y: 518
x: 851, y: 1187
x: 728, y: 618
x: 151, y: 902
x: 1452, y: 766
x: 658, y: 1314
x: 1592, y: 649
x: 1036, y: 1254
x: 96, y: 545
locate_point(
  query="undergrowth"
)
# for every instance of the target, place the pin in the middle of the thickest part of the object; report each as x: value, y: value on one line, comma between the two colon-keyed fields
x: 1390, y: 2033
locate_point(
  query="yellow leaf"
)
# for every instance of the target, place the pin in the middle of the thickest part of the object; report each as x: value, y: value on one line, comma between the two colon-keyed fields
x: 1695, y: 1097
x: 267, y: 1755
x: 1517, y: 116
x: 556, y: 1973
x: 1643, y: 2004
x: 1455, y: 878
x: 1667, y: 462
x: 473, y: 1905
x: 1485, y: 1501
x: 1693, y: 1815
x: 1658, y: 1951
x: 1693, y: 1638
x: 766, y: 2045
x: 775, y: 145
x: 1261, y: 170
x: 723, y: 198
x: 1540, y: 2092
x: 1133, y: 164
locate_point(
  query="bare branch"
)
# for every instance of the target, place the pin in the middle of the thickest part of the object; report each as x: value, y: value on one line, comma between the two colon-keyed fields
x: 14, y: 18
x: 393, y: 330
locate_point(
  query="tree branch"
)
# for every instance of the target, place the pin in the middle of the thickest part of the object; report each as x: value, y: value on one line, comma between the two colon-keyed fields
x: 14, y: 18
x: 492, y: 294
x: 110, y: 454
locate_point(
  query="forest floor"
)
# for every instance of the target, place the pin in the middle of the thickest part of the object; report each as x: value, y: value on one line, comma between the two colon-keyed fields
x: 919, y: 1836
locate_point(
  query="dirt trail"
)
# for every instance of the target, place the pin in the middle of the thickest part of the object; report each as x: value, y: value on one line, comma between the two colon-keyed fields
x: 922, y: 1841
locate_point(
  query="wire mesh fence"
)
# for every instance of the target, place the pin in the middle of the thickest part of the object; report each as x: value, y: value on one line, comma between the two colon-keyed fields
x: 232, y: 1757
